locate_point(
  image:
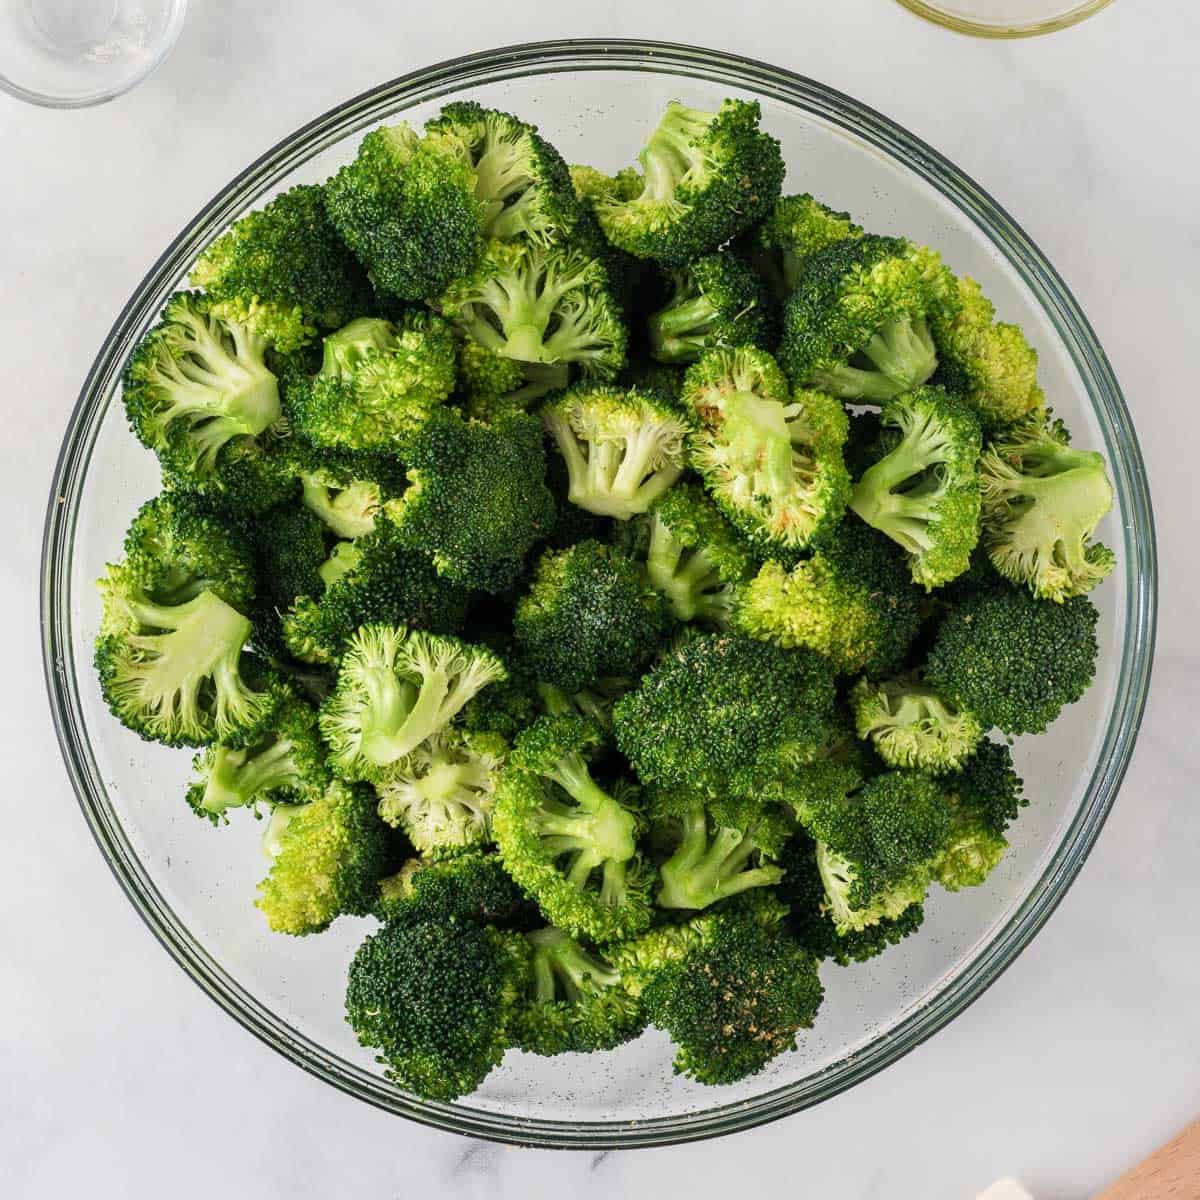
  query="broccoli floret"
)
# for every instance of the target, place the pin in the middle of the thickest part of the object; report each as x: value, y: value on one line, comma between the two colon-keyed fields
x: 622, y: 448
x: 720, y: 713
x: 1012, y: 660
x: 283, y: 272
x: 286, y: 763
x: 573, y: 999
x: 852, y: 602
x: 196, y: 387
x: 589, y: 613
x: 715, y: 301
x: 396, y: 689
x: 441, y: 794
x: 988, y: 362
x: 796, y: 227
x: 653, y: 378
x: 407, y: 208
x: 540, y: 304
x: 594, y: 704
x: 477, y: 500
x: 328, y: 861
x: 345, y: 488
x: 772, y: 460
x: 378, y: 383
x: 592, y: 185
x: 491, y: 386
x: 695, y: 558
x: 521, y: 181
x: 289, y: 554
x: 386, y: 582
x: 435, y: 999
x: 566, y: 840
x: 706, y: 177
x: 1042, y: 500
x: 508, y: 705
x: 910, y: 725
x: 924, y: 493
x: 857, y: 324
x: 471, y: 886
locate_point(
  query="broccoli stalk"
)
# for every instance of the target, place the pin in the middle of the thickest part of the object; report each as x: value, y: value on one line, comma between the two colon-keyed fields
x: 899, y: 355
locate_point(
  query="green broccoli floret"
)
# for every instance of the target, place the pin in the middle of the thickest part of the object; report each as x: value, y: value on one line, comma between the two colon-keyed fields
x: 289, y: 545
x: 592, y: 185
x: 196, y: 386
x: 573, y: 1000
x: 771, y: 459
x: 851, y: 601
x: 566, y: 840
x: 924, y: 493
x: 720, y: 713
x: 795, y: 228
x: 594, y: 704
x: 988, y: 362
x: 283, y: 272
x: 521, y: 181
x: 328, y: 860
x: 1042, y: 501
x: 477, y: 500
x: 491, y: 386
x: 857, y: 324
x: 715, y: 301
x: 1013, y: 660
x: 396, y: 689
x: 540, y: 304
x: 436, y: 999
x: 653, y: 378
x: 911, y: 726
x: 508, y: 705
x: 471, y: 886
x: 623, y: 448
x: 285, y: 763
x: 345, y: 488
x: 378, y: 383
x: 695, y: 557
x: 589, y: 613
x: 442, y: 793
x: 706, y: 177
x: 406, y: 206
x: 384, y: 581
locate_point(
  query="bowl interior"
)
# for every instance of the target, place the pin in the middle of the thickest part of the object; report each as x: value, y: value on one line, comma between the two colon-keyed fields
x: 195, y: 884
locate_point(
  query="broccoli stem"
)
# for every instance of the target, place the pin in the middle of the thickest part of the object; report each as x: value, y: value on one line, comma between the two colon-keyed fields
x: 688, y: 578
x: 391, y: 703
x: 701, y: 872
x: 899, y: 356
x: 756, y: 432
x: 670, y: 151
x: 237, y: 776
x: 678, y: 331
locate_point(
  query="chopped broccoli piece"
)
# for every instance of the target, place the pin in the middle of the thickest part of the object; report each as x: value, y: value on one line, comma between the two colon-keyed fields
x: 492, y: 386
x: 289, y: 555
x: 471, y: 886
x: 345, y: 488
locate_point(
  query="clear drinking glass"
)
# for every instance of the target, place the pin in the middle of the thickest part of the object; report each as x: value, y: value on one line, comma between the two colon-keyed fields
x: 1006, y: 18
x: 73, y: 53
x: 194, y: 885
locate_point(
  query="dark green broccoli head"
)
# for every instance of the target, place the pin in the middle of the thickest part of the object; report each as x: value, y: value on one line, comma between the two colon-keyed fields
x: 706, y: 177
x: 509, y: 705
x: 589, y: 613
x: 472, y: 886
x: 478, y: 499
x: 406, y: 207
x: 435, y: 1000
x: 716, y: 300
x: 490, y: 386
x: 1012, y: 660
x: 721, y: 713
x: 654, y: 378
x: 283, y: 272
x: 289, y: 544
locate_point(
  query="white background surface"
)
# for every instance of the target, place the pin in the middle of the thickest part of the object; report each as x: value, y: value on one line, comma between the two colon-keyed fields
x: 118, y: 1078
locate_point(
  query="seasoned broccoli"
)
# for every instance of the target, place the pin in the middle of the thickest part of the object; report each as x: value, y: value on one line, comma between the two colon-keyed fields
x: 1042, y: 500
x: 706, y: 177
x: 471, y: 886
x: 851, y: 601
x: 910, y: 725
x: 771, y: 459
x: 396, y: 689
x: 378, y: 383
x: 715, y: 301
x: 328, y: 861
x: 441, y: 794
x: 1012, y: 660
x: 719, y: 713
x: 924, y: 493
x: 540, y: 304
x: 283, y: 272
x: 573, y: 999
x: 436, y: 999
x: 566, y: 840
x: 622, y: 447
x: 857, y: 324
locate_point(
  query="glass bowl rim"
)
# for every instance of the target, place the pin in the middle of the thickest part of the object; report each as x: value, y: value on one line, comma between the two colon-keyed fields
x: 984, y: 29
x: 1140, y: 564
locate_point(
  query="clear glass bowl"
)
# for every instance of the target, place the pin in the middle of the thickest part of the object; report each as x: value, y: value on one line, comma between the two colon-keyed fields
x: 1006, y: 18
x: 194, y: 885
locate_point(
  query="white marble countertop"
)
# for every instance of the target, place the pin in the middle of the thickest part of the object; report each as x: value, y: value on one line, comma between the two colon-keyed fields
x: 120, y: 1079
